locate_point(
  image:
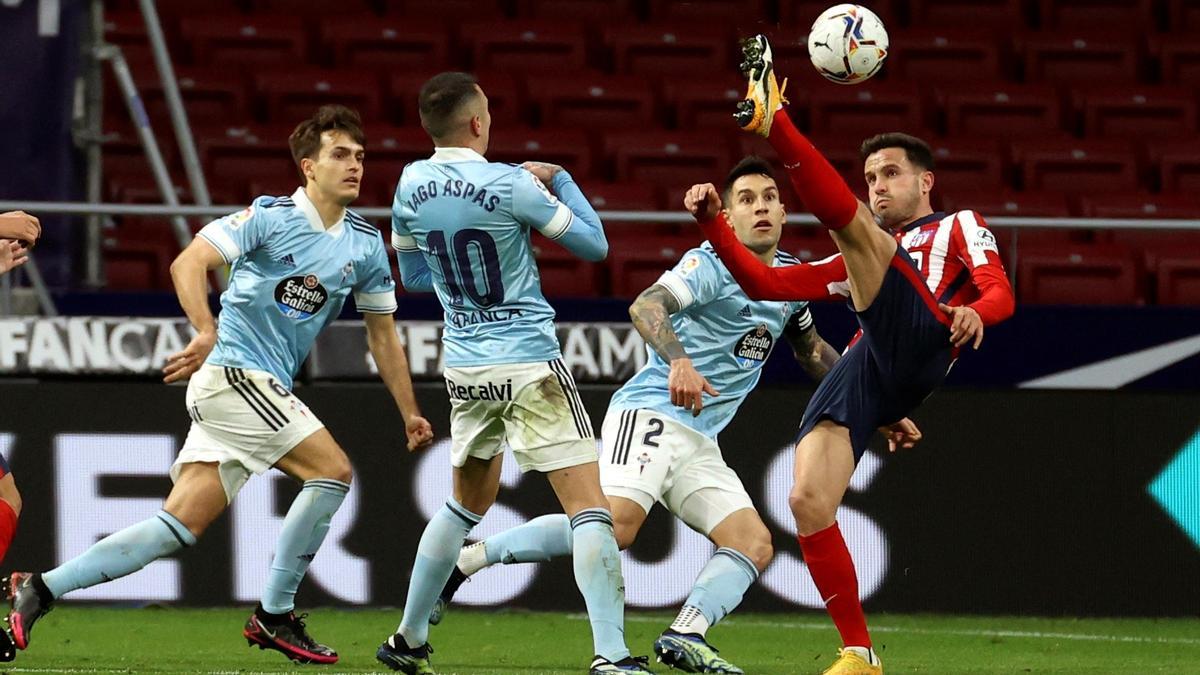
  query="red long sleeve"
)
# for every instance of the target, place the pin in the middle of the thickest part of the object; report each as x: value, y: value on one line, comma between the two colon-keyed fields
x: 806, y: 281
x: 996, y: 302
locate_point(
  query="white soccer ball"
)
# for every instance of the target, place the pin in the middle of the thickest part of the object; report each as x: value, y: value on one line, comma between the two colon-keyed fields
x: 847, y: 44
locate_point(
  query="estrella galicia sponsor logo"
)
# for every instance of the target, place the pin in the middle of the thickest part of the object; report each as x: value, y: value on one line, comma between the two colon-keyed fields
x: 300, y: 297
x: 484, y: 391
x: 464, y: 319
x: 754, y: 347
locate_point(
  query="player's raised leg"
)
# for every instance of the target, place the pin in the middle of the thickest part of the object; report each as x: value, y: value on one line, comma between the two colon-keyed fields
x: 867, y: 249
x: 476, y: 484
x: 324, y: 470
x: 196, y: 499
x: 824, y: 464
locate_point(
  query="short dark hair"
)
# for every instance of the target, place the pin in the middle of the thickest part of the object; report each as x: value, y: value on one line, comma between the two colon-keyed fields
x: 749, y: 166
x: 915, y: 149
x: 442, y: 97
x: 305, y: 141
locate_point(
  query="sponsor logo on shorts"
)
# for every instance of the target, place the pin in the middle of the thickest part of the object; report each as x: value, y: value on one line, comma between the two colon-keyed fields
x: 754, y: 347
x: 300, y: 297
x: 463, y: 319
x: 486, y: 391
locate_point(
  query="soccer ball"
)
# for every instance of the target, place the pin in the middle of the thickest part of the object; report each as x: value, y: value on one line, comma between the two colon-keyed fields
x: 847, y: 44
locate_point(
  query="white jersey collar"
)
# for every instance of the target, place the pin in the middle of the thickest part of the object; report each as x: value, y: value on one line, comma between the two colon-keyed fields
x: 300, y: 197
x: 448, y: 155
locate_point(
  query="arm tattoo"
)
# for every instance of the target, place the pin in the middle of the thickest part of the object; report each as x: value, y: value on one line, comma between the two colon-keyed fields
x: 651, y: 314
x: 813, y: 353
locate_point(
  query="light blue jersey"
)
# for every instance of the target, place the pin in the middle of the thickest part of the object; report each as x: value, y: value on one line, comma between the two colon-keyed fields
x: 727, y: 335
x: 461, y: 226
x: 289, y: 279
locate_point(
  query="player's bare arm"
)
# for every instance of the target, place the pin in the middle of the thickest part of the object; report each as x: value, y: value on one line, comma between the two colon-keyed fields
x: 12, y: 255
x: 651, y: 314
x: 393, y: 370
x: 20, y: 226
x: 189, y: 273
x: 812, y: 352
x: 543, y: 170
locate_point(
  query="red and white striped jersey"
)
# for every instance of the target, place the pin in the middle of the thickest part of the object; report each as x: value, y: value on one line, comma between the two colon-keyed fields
x: 947, y: 250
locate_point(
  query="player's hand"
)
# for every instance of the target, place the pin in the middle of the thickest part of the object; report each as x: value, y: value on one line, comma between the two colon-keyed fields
x: 688, y: 386
x: 20, y: 226
x: 543, y: 170
x: 12, y: 254
x: 902, y: 434
x: 181, y: 365
x: 420, y: 433
x: 703, y: 201
x: 965, y: 324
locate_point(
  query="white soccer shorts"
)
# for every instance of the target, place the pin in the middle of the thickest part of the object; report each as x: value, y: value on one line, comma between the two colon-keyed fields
x: 649, y: 457
x: 534, y: 407
x: 244, y: 420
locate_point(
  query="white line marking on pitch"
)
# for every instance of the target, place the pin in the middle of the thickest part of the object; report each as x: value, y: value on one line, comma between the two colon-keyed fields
x: 965, y: 632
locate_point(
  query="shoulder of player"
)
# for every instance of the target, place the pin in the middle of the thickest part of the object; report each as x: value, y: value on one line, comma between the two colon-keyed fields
x: 965, y: 218
x: 358, y: 224
x: 704, y: 253
x: 783, y: 258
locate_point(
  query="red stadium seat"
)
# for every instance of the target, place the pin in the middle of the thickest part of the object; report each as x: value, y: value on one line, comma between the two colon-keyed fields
x: 244, y: 41
x: 710, y: 104
x: 1178, y: 162
x: 505, y: 101
x: 860, y: 112
x: 594, y: 101
x: 636, y: 262
x: 1140, y: 205
x: 1074, y: 56
x: 967, y: 164
x: 456, y: 11
x: 1079, y: 275
x: 563, y: 274
x: 293, y: 95
x: 389, y: 150
x: 314, y: 9
x: 742, y: 13
x: 605, y: 11
x: 671, y: 49
x: 137, y: 262
x: 999, y: 14
x: 667, y: 158
x: 1179, y: 280
x: 945, y: 55
x: 1178, y: 57
x: 127, y: 30
x: 527, y: 46
x: 1071, y: 14
x: 234, y: 157
x: 210, y: 95
x: 1003, y: 110
x: 566, y: 147
x: 621, y: 196
x: 1077, y: 166
x: 1183, y: 16
x: 390, y: 42
x: 993, y: 203
x: 1141, y: 111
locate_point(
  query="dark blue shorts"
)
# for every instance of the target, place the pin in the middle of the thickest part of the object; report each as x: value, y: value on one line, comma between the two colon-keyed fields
x: 902, y: 356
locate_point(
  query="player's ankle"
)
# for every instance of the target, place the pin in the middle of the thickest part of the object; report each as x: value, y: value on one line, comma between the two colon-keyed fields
x: 868, y: 654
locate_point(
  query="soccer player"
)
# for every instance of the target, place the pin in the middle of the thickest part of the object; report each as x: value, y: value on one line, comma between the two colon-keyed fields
x: 295, y: 259
x: 705, y: 339
x: 461, y: 226
x: 922, y: 284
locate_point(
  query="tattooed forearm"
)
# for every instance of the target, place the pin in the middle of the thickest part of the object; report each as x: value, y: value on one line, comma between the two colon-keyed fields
x: 651, y: 314
x: 813, y: 353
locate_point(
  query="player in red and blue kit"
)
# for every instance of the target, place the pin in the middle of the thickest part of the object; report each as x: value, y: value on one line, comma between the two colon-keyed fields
x: 922, y: 284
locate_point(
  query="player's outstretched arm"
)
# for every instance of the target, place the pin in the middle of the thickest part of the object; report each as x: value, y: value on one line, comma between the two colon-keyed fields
x: 560, y: 212
x: 393, y: 370
x: 189, y: 273
x: 795, y: 282
x: 651, y: 315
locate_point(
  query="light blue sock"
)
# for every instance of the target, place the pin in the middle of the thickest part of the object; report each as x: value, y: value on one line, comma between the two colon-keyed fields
x: 598, y: 575
x: 436, y: 555
x: 719, y: 589
x: 120, y: 553
x: 304, y: 529
x: 539, y: 540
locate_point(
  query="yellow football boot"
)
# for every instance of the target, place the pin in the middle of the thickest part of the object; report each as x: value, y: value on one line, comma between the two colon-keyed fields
x: 764, y: 95
x: 850, y: 663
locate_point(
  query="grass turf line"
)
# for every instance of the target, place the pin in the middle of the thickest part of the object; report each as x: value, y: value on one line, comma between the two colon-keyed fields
x: 111, y: 640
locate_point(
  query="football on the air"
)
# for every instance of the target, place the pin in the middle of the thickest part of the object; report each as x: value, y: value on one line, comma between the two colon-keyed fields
x: 847, y: 44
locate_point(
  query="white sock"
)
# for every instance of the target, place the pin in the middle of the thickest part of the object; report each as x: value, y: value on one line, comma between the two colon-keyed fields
x: 690, y: 620
x: 866, y: 653
x: 472, y: 558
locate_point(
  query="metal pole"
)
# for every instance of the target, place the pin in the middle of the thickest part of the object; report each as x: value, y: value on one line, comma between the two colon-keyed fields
x: 5, y: 294
x: 183, y: 131
x: 39, y: 288
x: 93, y: 90
x: 149, y: 143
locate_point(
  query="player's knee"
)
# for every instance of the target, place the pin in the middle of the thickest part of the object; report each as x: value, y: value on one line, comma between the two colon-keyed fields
x: 338, y: 468
x: 809, y: 507
x: 12, y: 496
x: 760, y: 551
x: 625, y: 535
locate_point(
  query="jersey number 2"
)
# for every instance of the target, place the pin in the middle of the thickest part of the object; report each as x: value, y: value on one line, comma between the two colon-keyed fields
x: 460, y: 258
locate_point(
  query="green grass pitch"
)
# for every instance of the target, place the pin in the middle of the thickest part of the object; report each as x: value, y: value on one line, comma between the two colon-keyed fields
x: 155, y: 640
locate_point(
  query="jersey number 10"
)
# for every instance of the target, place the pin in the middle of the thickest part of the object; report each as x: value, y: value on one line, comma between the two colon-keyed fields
x: 458, y: 270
